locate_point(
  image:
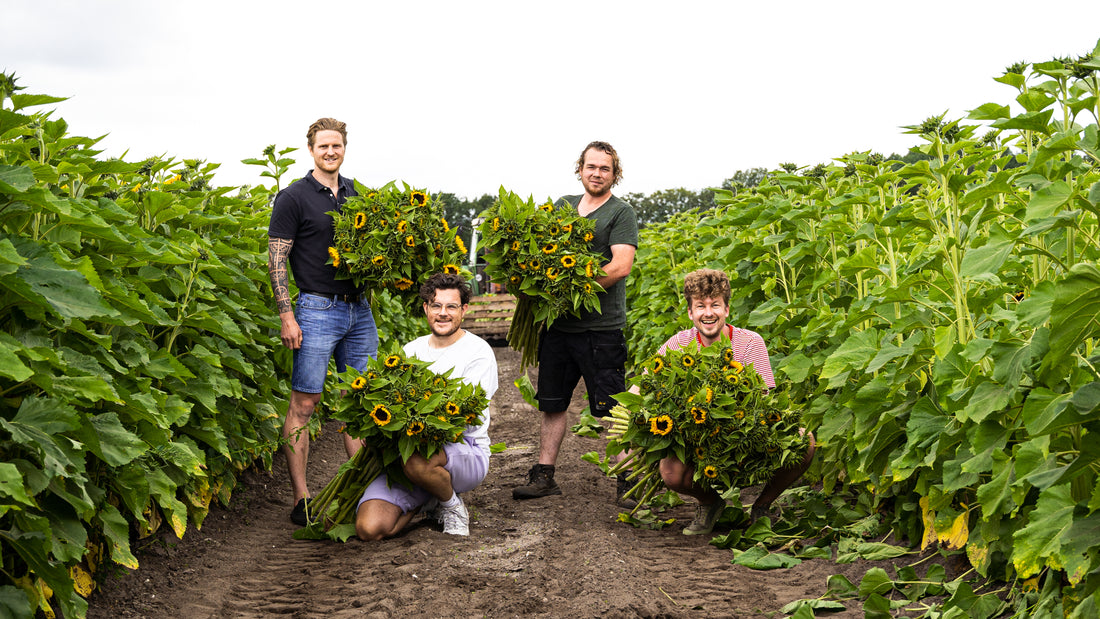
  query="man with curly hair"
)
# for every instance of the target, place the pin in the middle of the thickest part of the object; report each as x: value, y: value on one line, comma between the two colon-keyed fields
x: 592, y: 345
x: 332, y: 316
x: 384, y: 510
x: 707, y: 292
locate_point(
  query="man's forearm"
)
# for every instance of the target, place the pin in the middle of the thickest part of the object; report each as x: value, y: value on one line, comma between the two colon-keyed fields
x: 277, y: 252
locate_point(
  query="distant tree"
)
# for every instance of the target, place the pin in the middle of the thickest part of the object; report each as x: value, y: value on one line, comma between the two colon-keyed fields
x: 745, y: 179
x: 660, y: 205
x: 460, y: 212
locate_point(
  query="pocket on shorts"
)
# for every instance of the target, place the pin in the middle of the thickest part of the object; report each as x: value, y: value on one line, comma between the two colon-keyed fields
x: 609, y: 361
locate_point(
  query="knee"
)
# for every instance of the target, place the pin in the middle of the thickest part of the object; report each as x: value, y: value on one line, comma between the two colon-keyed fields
x: 368, y: 530
x: 675, y: 474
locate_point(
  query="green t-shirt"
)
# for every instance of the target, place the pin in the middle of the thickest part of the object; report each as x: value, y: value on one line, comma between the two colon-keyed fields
x: 616, y: 224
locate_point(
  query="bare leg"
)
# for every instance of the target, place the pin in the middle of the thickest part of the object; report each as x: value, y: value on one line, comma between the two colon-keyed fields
x: 352, y: 445
x: 378, y: 519
x: 679, y: 477
x: 782, y: 480
x: 430, y: 475
x: 551, y: 435
x: 296, y: 434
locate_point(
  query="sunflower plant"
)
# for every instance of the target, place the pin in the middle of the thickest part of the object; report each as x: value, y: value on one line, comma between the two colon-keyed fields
x: 392, y: 238
x: 708, y: 410
x: 398, y: 407
x: 540, y: 253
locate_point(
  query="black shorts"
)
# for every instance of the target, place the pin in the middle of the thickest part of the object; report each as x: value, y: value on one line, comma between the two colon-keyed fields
x: 564, y: 358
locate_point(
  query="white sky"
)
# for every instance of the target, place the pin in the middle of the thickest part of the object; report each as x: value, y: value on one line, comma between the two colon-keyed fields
x: 465, y: 97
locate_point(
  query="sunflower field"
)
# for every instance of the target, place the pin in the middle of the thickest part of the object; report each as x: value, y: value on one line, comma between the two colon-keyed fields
x: 937, y: 322
x: 140, y: 364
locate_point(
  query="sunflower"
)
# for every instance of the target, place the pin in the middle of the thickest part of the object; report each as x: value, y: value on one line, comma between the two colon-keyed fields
x: 378, y: 260
x: 687, y: 361
x: 402, y: 283
x: 335, y: 255
x: 418, y: 198
x: 710, y: 395
x: 553, y: 230
x: 392, y: 361
x: 774, y: 417
x: 587, y: 288
x: 535, y: 265
x: 360, y: 220
x: 710, y: 472
x: 567, y: 228
x: 471, y: 418
x: 733, y: 379
x: 700, y: 453
x: 737, y: 367
x: 440, y: 382
x: 383, y: 223
x: 446, y: 227
x: 460, y: 244
x: 515, y: 280
x: 450, y: 269
x: 698, y: 414
x: 496, y: 224
x: 660, y: 425
x: 413, y: 392
x: 738, y: 414
x: 568, y: 262
x: 727, y: 355
x: 588, y: 270
x: 371, y: 375
x: 358, y: 383
x: 402, y: 226
x: 452, y: 408
x: 588, y: 236
x: 515, y: 245
x: 552, y: 273
x: 548, y: 207
x: 410, y: 241
x: 549, y: 248
x: 380, y: 414
x: 415, y: 427
x: 658, y: 365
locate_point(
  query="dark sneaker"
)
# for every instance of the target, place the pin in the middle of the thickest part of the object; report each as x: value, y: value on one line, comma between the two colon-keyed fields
x: 622, y: 486
x: 540, y: 483
x: 298, y: 514
x: 705, y: 518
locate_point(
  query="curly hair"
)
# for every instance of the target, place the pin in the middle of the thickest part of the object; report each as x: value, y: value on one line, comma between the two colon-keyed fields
x: 707, y: 284
x: 445, y: 281
x: 616, y: 165
x: 326, y: 124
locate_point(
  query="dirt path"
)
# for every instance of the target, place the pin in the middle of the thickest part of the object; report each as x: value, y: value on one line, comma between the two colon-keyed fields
x: 562, y: 556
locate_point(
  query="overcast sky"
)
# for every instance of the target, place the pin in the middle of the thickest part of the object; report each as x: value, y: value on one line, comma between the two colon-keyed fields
x: 465, y: 97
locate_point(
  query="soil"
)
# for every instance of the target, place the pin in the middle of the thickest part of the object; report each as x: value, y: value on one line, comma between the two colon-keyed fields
x: 559, y: 556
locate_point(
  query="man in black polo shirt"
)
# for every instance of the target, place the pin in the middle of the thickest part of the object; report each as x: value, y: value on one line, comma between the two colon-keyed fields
x: 332, y: 316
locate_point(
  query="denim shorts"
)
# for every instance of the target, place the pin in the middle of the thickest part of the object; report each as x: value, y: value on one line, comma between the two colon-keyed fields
x: 564, y: 358
x: 331, y: 328
x: 466, y: 462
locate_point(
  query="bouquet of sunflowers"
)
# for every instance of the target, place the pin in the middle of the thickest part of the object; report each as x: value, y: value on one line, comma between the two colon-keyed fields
x: 391, y: 238
x: 709, y: 411
x: 398, y: 407
x: 540, y: 252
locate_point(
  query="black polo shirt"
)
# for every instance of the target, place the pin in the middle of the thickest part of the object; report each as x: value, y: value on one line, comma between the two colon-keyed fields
x: 300, y: 213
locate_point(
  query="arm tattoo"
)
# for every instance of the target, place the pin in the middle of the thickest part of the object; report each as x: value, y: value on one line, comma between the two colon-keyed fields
x: 277, y: 252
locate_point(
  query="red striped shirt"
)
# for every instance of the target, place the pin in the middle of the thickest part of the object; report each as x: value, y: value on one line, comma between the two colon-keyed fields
x: 748, y: 347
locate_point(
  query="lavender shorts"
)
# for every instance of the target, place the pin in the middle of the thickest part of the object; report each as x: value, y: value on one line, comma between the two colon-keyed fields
x: 466, y: 462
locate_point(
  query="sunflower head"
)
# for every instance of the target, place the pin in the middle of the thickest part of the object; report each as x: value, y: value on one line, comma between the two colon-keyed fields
x: 660, y: 425
x: 588, y: 237
x: 568, y: 262
x: 552, y: 273
x: 496, y: 224
x: 380, y: 414
x: 378, y: 260
x: 392, y: 361
x: 535, y: 264
x: 515, y: 245
x: 774, y: 417
x: 736, y: 366
x: 358, y: 383
x: 450, y: 269
x: 452, y: 408
x: 515, y: 280
x: 402, y: 226
x: 700, y: 453
x: 418, y: 198
x: 588, y: 270
x: 415, y: 427
x: 739, y: 414
x: 698, y: 414
x: 335, y: 255
x: 549, y: 248
x: 567, y: 228
x: 460, y: 244
x: 360, y: 220
x: 710, y: 471
x: 548, y: 207
x: 410, y: 241
x: 688, y: 361
x: 657, y: 365
x: 403, y: 283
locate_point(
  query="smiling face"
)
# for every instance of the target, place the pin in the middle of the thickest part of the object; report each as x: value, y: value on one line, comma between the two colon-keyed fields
x: 327, y: 151
x: 597, y: 173
x: 709, y: 317
x: 445, y: 312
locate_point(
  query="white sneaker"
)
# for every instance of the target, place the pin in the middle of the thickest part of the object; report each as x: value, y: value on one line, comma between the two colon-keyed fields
x: 456, y: 520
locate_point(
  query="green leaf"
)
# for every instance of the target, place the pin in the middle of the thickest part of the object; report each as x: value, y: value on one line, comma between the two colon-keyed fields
x: 1039, y: 543
x: 105, y: 436
x: 66, y: 290
x: 758, y: 558
x: 117, y: 531
x: 875, y: 581
x: 877, y: 551
x: 11, y: 366
x: 14, y: 602
x: 11, y: 484
x: 814, y: 604
x: 16, y: 179
x: 854, y: 353
x: 839, y: 586
x: 1075, y: 316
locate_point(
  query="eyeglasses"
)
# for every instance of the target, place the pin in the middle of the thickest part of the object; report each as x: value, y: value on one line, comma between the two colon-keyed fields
x: 435, y: 308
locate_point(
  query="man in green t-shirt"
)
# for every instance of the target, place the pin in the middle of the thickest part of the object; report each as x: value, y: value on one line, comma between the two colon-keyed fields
x: 591, y: 346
